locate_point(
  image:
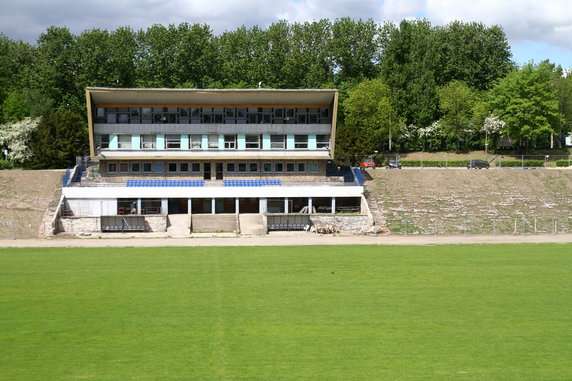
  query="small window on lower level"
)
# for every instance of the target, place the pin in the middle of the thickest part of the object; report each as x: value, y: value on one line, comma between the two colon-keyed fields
x: 290, y: 167
x: 112, y: 167
x: 267, y: 167
x: 158, y: 168
x: 123, y: 167
x: 135, y: 167
x: 278, y: 167
x: 172, y: 167
x: 147, y: 167
x: 252, y: 167
x: 230, y: 167
x: 301, y: 167
x: 313, y: 167
x: 195, y: 167
x: 241, y: 167
x: 184, y: 167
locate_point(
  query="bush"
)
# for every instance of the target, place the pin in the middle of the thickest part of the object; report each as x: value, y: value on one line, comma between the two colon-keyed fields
x: 520, y: 163
x: 562, y: 163
x: 5, y: 164
x: 434, y: 163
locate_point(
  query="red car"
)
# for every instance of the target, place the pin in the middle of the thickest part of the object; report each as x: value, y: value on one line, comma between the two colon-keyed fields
x: 367, y: 163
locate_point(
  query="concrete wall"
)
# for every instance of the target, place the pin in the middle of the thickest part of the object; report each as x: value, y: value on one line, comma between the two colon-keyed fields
x: 93, y: 224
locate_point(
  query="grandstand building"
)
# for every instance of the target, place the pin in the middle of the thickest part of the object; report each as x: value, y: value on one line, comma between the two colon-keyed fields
x: 211, y: 156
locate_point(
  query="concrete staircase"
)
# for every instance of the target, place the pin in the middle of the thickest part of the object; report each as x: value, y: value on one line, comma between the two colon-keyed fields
x: 49, y: 227
x: 252, y: 224
x: 214, y: 223
x: 178, y: 225
x: 376, y: 210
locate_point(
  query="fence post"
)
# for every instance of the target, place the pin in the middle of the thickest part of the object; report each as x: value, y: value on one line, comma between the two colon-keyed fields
x: 515, y: 228
x: 494, y: 227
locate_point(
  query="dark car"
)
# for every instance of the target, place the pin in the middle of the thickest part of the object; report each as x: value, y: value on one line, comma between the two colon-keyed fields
x: 393, y: 164
x: 478, y: 164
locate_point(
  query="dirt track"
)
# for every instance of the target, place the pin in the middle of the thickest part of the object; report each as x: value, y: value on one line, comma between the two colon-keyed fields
x: 292, y: 239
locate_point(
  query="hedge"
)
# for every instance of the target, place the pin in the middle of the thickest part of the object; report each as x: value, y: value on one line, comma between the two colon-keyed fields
x: 520, y: 163
x: 434, y: 163
x: 562, y: 163
x: 5, y: 164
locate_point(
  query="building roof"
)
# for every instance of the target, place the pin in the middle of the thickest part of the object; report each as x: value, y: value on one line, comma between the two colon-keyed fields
x: 293, y: 97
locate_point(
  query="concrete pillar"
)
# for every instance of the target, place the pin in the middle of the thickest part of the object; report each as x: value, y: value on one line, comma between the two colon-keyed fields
x: 139, y: 206
x: 236, y: 205
x: 262, y: 205
x: 333, y: 205
x: 213, y: 205
x: 309, y: 205
x: 285, y: 204
x: 164, y: 206
x: 190, y: 206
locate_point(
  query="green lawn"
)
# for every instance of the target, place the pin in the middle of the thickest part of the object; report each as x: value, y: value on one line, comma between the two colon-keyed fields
x: 474, y: 312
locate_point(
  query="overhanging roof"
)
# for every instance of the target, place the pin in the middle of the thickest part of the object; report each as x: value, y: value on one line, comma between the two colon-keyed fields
x: 116, y: 96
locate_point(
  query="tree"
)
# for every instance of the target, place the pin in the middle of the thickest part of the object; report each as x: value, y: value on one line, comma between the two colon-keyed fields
x: 456, y: 104
x: 15, y: 137
x: 369, y: 107
x: 563, y: 86
x: 58, y: 139
x: 527, y: 101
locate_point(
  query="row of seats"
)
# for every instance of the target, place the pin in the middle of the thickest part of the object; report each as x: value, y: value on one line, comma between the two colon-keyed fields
x: 165, y: 183
x: 250, y: 183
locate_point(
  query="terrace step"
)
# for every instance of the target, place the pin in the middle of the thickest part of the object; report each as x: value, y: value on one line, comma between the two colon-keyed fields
x: 252, y: 224
x: 178, y: 225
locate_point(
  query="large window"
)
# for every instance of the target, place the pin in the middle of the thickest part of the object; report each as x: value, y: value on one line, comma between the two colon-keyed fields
x: 277, y: 141
x: 323, y: 141
x: 173, y: 141
x: 102, y: 141
x: 148, y: 141
x: 196, y: 141
x: 300, y: 141
x: 213, y: 141
x: 252, y: 141
x: 124, y: 141
x: 230, y: 141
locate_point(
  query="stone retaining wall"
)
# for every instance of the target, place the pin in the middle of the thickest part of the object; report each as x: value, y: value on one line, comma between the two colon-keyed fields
x: 74, y: 225
x: 343, y: 222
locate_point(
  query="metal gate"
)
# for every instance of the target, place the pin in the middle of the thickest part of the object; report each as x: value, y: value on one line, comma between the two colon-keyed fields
x: 288, y: 221
x: 122, y: 224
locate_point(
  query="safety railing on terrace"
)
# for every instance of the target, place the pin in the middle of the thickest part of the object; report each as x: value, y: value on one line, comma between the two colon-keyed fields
x: 483, y: 226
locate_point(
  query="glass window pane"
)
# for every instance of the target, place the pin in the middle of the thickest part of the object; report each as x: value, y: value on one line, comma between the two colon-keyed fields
x: 135, y: 167
x: 230, y: 167
x: 267, y: 167
x: 184, y: 167
x: 241, y: 167
x: 147, y: 167
x: 196, y: 167
x: 290, y: 167
x: 253, y: 167
x: 158, y: 168
x: 278, y: 167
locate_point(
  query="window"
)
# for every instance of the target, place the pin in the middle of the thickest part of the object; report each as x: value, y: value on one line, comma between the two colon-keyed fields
x: 135, y: 167
x: 111, y: 116
x: 323, y: 141
x: 278, y: 141
x: 148, y: 141
x: 173, y: 141
x: 313, y: 167
x: 102, y: 141
x: 123, y: 118
x: 184, y: 167
x: 134, y: 115
x: 112, y: 167
x: 253, y: 167
x: 230, y: 167
x: 267, y: 167
x: 241, y: 167
x: 230, y: 141
x: 147, y: 167
x: 146, y: 114
x: 158, y: 168
x: 213, y: 141
x: 300, y: 141
x: 301, y: 167
x: 100, y: 113
x: 290, y: 167
x: 124, y: 141
x: 324, y: 115
x: 123, y: 167
x: 195, y: 167
x: 252, y: 141
x: 278, y: 167
x: 196, y: 141
x: 172, y: 167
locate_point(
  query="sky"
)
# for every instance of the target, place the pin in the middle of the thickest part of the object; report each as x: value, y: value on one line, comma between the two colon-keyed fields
x: 536, y: 30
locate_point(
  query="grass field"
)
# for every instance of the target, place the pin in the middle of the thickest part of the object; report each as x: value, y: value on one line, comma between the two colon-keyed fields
x: 480, y: 312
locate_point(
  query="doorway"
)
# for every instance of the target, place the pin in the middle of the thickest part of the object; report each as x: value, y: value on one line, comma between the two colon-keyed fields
x: 207, y: 171
x: 219, y: 172
x: 178, y: 205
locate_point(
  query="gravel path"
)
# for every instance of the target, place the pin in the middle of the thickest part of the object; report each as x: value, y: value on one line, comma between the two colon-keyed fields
x: 284, y: 239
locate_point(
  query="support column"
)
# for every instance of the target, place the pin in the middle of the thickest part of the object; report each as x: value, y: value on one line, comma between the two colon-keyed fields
x: 285, y: 204
x: 190, y: 206
x: 164, y: 206
x: 213, y: 205
x: 236, y: 205
x: 309, y: 205
x: 262, y: 205
x: 139, y: 206
x: 333, y: 205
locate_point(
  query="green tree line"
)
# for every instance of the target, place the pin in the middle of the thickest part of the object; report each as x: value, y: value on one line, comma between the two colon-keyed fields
x: 405, y: 86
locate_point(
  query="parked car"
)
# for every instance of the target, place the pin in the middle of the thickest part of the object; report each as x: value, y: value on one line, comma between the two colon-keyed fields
x: 367, y: 163
x: 478, y: 164
x: 393, y: 164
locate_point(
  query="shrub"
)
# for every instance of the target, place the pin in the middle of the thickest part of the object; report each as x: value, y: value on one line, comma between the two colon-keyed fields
x: 5, y: 164
x: 562, y: 163
x: 520, y: 163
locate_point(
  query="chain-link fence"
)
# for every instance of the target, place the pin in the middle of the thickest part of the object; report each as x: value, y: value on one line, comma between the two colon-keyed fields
x: 485, y: 226
x: 420, y: 160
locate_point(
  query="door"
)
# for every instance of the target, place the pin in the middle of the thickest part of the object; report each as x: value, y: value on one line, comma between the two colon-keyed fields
x: 207, y: 171
x: 218, y: 171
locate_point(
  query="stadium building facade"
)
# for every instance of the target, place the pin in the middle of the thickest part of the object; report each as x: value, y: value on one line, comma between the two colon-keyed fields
x: 159, y: 153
